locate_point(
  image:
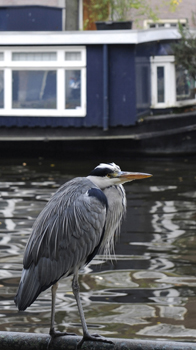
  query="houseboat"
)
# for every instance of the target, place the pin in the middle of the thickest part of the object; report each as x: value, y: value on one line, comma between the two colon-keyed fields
x: 96, y: 86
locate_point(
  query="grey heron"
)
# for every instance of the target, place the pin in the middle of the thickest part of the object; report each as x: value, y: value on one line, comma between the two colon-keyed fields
x: 80, y: 220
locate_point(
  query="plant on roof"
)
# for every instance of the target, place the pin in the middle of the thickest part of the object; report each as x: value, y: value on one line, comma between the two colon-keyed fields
x: 185, y: 50
x: 116, y: 10
x: 120, y: 10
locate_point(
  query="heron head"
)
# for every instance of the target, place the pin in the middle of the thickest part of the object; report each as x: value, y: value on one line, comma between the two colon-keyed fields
x: 105, y: 175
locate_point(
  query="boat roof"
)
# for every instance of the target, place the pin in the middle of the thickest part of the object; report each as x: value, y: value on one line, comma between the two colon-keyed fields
x: 88, y: 37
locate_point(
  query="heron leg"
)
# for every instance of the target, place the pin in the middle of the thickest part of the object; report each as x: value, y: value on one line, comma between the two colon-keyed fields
x: 53, y: 290
x: 76, y: 292
x: 52, y: 332
x: 86, y: 335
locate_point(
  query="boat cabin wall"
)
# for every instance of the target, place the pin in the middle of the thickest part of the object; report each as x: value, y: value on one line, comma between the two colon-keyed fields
x: 116, y: 72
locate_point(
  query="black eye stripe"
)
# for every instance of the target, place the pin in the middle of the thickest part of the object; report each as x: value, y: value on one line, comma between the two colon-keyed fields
x: 101, y: 172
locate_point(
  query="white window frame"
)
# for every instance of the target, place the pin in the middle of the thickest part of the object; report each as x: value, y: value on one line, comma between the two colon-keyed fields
x: 168, y: 62
x: 60, y: 65
x: 164, y: 23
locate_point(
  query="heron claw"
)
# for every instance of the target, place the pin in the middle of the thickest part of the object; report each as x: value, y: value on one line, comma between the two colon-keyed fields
x: 54, y: 334
x: 93, y: 337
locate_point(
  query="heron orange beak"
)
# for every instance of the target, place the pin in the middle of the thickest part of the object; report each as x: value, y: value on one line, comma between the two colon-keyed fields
x: 127, y: 176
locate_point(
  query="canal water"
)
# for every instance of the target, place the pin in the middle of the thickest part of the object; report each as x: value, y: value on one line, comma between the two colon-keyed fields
x: 148, y: 291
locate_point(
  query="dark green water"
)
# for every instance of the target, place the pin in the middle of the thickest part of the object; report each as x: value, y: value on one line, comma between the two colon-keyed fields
x: 148, y: 291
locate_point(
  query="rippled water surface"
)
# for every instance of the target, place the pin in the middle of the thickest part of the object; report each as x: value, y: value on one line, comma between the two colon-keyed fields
x: 148, y: 291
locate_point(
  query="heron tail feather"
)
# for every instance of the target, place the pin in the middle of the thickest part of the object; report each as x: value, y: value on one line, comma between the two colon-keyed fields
x: 28, y: 289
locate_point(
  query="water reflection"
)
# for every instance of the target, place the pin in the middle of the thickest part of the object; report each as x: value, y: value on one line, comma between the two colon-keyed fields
x: 147, y: 291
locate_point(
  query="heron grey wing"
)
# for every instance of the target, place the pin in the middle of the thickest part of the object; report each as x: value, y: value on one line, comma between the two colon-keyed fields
x: 57, y: 205
x: 75, y: 232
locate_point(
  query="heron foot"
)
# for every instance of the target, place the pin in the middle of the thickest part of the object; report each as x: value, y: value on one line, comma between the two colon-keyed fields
x: 93, y: 337
x: 55, y: 334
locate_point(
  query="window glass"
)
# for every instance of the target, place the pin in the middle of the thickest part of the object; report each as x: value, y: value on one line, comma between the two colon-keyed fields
x: 73, y: 56
x: 1, y: 56
x: 1, y: 89
x: 34, y: 89
x: 185, y: 85
x: 167, y: 24
x: 73, y: 89
x: 34, y: 56
x: 160, y: 85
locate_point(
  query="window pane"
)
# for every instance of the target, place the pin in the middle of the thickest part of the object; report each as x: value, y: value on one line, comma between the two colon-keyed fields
x: 173, y: 25
x: 1, y: 89
x: 185, y: 85
x: 1, y: 56
x: 34, y: 89
x: 73, y: 56
x: 160, y: 85
x: 34, y: 56
x: 72, y: 89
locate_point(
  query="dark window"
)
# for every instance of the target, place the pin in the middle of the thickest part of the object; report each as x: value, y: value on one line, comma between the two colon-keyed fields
x: 34, y: 89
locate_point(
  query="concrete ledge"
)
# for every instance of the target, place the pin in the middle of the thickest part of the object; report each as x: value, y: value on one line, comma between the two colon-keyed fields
x: 34, y: 341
